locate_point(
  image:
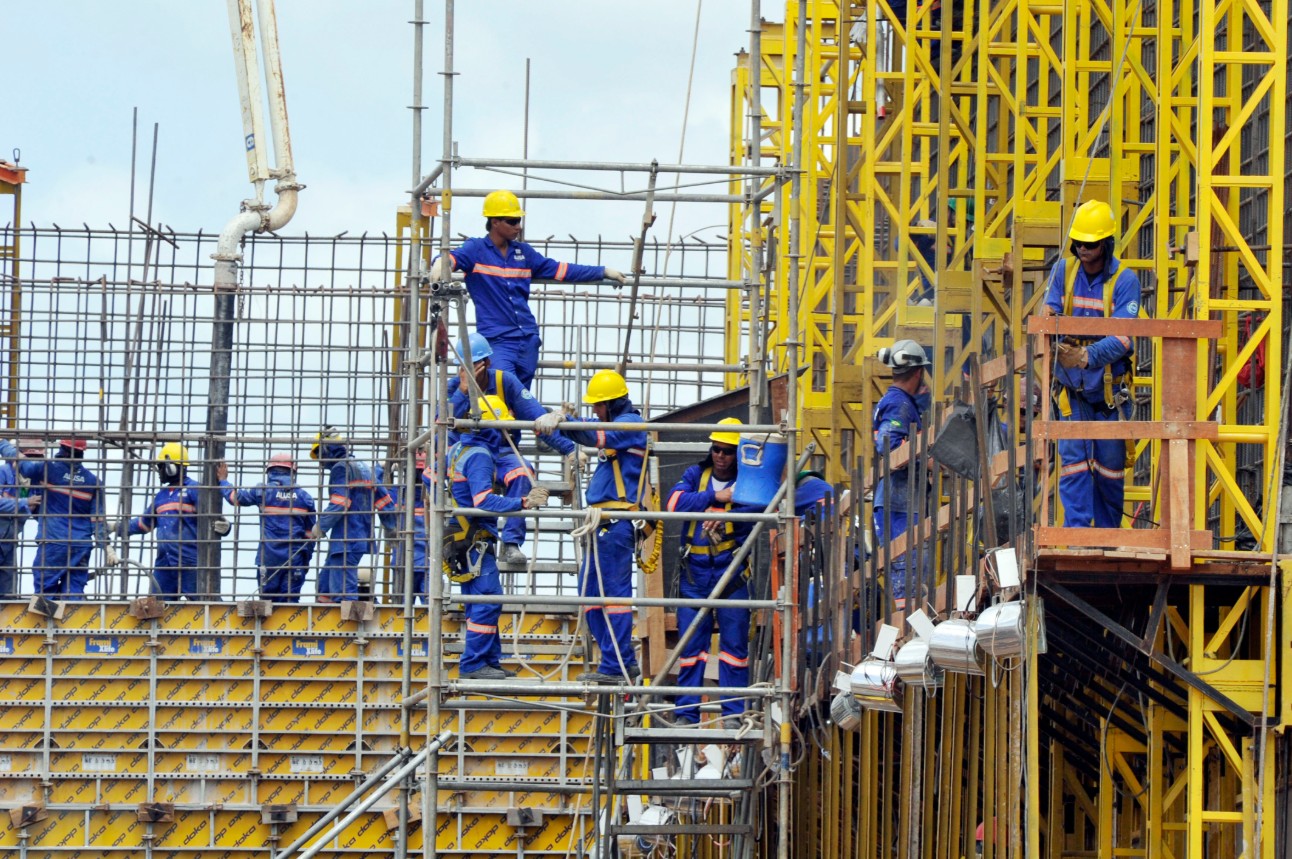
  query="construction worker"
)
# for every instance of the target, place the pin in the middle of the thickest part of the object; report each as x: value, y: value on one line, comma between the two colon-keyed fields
x: 13, y: 515
x: 1090, y: 382
x: 499, y: 268
x: 353, y: 496
x: 420, y: 493
x: 707, y: 550
x: 287, y: 514
x: 897, y: 415
x: 71, y: 518
x: 470, y: 543
x: 173, y: 515
x: 513, y: 472
x: 616, y: 484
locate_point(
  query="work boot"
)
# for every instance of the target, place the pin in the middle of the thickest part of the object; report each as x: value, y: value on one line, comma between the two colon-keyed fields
x: 511, y: 554
x: 486, y: 672
x: 506, y: 671
x: 634, y: 674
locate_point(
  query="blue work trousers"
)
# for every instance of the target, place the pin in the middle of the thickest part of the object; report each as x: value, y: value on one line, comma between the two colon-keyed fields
x: 513, y: 473
x: 517, y: 353
x: 283, y: 583
x: 898, y: 522
x: 1092, y: 472
x: 481, y: 646
x: 61, y: 568
x: 697, y: 582
x: 8, y: 569
x: 608, y: 571
x: 339, y: 578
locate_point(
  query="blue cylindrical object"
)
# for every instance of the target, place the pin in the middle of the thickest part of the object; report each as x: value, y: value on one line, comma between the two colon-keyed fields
x: 760, y: 463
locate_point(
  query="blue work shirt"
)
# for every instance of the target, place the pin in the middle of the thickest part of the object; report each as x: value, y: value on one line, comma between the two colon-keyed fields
x: 13, y: 509
x: 72, y: 504
x: 694, y: 493
x: 518, y: 398
x: 618, y: 475
x: 471, y: 471
x: 1088, y: 301
x: 499, y: 283
x: 895, y: 415
x: 353, y: 496
x: 287, y: 513
x: 173, y: 516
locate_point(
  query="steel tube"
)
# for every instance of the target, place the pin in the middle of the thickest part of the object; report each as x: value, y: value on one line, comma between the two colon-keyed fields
x: 644, y: 366
x: 562, y: 600
x: 380, y: 791
x: 547, y: 689
x: 659, y: 515
x: 626, y: 196
x: 618, y: 167
x: 334, y: 813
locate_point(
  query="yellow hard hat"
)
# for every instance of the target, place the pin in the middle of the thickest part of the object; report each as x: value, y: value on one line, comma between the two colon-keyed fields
x: 502, y: 204
x: 494, y: 408
x: 1093, y: 222
x: 605, y: 385
x: 174, y: 452
x: 326, y: 435
x: 731, y: 438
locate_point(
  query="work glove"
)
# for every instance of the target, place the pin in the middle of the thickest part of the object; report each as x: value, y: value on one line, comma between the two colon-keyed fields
x: 1072, y: 357
x: 578, y: 459
x: 314, y: 533
x: 546, y: 424
x: 110, y: 557
x: 615, y: 275
x: 220, y: 527
x: 537, y: 497
x: 442, y: 269
x: 221, y: 470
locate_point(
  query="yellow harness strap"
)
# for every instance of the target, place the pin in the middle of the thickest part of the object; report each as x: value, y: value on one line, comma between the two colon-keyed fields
x: 1110, y: 381
x: 728, y: 528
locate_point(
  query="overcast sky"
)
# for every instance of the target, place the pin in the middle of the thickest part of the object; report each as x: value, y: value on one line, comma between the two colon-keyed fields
x: 609, y: 81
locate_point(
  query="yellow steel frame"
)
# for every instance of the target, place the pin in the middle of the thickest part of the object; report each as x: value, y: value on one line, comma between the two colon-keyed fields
x: 1027, y: 113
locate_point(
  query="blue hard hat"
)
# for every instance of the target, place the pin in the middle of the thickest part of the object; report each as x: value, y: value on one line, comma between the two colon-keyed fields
x: 480, y: 348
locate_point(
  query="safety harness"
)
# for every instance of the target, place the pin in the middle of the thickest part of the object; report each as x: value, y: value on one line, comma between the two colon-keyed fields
x: 727, y: 528
x: 648, y: 533
x: 463, y: 534
x: 1111, y: 382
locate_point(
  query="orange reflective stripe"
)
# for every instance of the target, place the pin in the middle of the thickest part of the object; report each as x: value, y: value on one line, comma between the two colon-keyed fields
x: 734, y: 661
x: 481, y: 628
x: 514, y: 473
x: 1075, y: 468
x: 619, y: 609
x: 561, y: 269
x: 672, y: 501
x: 383, y: 503
x: 476, y: 499
x: 499, y: 271
x: 343, y: 500
x: 694, y: 660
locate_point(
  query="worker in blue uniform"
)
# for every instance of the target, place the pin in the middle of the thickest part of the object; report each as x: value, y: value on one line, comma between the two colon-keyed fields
x: 707, y: 549
x: 13, y: 515
x: 172, y: 515
x: 616, y: 484
x: 1092, y: 377
x: 514, y: 473
x: 420, y: 493
x: 499, y: 269
x: 470, y: 544
x: 287, y: 514
x: 897, y: 415
x: 71, y: 520
x: 354, y: 495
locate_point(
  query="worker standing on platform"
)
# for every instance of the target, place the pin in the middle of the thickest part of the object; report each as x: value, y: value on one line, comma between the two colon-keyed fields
x: 1090, y: 382
x: 707, y: 550
x: 353, y: 496
x: 71, y: 518
x: 173, y: 515
x: 13, y: 515
x: 896, y: 416
x: 287, y: 514
x: 513, y: 472
x: 615, y: 485
x: 499, y: 268
x: 470, y: 543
